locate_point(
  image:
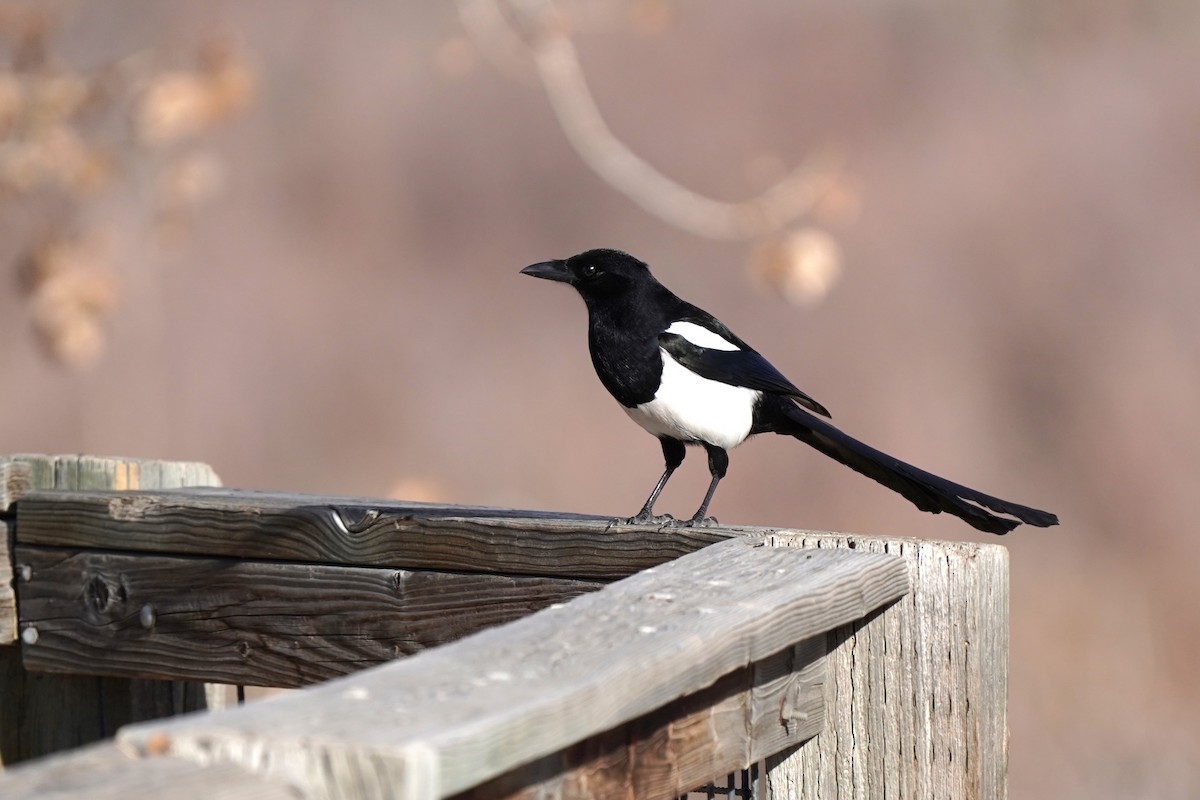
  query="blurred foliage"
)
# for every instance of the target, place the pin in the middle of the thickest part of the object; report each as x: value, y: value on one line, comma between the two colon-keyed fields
x: 71, y: 288
x: 71, y: 137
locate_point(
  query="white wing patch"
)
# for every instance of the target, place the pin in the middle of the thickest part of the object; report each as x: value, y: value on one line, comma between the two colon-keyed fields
x: 695, y: 409
x: 701, y: 336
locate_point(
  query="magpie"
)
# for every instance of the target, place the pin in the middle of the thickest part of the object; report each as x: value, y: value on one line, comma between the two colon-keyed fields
x: 687, y: 379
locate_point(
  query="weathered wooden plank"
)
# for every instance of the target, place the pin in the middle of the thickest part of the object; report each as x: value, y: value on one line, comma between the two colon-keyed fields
x: 43, y: 713
x: 8, y: 595
x: 310, y: 528
x: 39, y: 713
x: 22, y: 474
x: 76, y: 471
x: 261, y: 623
x: 104, y: 772
x: 14, y: 481
x: 744, y: 717
x: 455, y: 716
x: 916, y: 695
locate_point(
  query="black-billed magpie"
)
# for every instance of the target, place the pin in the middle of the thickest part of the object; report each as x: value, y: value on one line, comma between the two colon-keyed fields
x: 687, y: 379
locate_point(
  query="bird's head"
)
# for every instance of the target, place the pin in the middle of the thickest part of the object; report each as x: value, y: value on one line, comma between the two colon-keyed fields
x: 595, y: 274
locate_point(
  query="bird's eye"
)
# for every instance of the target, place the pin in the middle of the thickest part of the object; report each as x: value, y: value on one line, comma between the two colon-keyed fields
x: 589, y: 271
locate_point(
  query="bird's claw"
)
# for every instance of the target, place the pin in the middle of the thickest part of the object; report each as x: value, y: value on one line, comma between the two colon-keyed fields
x: 694, y: 522
x: 663, y: 521
x: 645, y: 518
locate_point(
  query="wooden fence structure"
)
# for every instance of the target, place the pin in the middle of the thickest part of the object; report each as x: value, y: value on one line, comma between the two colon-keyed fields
x: 476, y: 652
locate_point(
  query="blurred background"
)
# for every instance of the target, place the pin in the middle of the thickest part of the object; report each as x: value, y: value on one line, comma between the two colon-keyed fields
x: 283, y: 238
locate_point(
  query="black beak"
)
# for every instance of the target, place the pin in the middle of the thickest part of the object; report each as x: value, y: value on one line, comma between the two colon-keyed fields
x: 550, y: 270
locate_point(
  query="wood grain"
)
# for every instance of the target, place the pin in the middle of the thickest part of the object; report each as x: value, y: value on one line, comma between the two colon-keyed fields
x: 15, y: 480
x: 260, y: 623
x: 8, y: 594
x: 103, y: 472
x: 104, y: 772
x: 314, y: 529
x: 41, y: 713
x: 455, y: 716
x: 744, y: 717
x: 916, y: 694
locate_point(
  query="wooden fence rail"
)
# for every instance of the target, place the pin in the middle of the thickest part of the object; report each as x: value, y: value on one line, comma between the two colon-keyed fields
x: 551, y: 655
x: 43, y: 713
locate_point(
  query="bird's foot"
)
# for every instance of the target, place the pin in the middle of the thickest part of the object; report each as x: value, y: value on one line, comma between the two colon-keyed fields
x: 694, y: 522
x: 646, y: 517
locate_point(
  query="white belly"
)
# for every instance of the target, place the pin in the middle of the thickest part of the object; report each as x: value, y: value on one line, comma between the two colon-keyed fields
x: 695, y: 409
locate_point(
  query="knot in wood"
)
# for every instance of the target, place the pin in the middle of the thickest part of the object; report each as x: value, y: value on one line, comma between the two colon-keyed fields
x: 99, y: 594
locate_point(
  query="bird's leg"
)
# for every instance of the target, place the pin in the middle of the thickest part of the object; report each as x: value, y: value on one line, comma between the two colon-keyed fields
x: 718, y: 463
x: 673, y: 453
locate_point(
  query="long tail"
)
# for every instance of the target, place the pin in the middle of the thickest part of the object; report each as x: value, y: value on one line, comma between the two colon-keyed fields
x: 925, y: 490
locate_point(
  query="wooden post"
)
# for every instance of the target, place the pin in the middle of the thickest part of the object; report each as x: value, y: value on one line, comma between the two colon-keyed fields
x: 915, y: 695
x: 40, y: 713
x: 15, y: 480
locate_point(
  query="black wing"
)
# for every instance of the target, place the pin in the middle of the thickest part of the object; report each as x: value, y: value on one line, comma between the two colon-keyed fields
x: 736, y: 367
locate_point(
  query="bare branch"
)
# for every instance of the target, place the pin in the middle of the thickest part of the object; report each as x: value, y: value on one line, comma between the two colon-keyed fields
x: 544, y: 32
